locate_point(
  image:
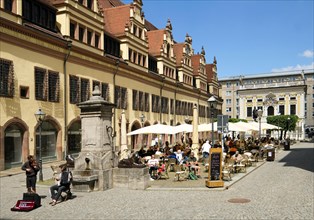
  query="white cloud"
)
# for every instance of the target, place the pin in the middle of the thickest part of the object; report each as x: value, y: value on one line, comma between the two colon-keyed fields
x: 294, y: 68
x: 307, y: 54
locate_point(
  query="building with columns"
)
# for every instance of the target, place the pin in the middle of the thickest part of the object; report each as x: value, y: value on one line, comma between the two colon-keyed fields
x: 55, y: 52
x: 285, y: 93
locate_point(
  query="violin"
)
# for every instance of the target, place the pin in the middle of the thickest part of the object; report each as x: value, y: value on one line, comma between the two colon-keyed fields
x: 34, y: 163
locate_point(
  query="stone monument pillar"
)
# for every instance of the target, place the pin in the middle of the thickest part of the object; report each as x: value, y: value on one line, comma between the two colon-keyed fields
x: 195, y: 141
x: 124, y: 148
x: 93, y: 166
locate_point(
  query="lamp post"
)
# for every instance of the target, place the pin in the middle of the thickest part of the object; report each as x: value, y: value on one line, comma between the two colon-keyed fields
x: 278, y: 125
x: 260, y: 113
x: 287, y: 125
x: 142, y: 121
x: 212, y: 105
x: 40, y: 117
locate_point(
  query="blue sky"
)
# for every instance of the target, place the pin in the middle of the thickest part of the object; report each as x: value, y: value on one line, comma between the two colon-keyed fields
x: 247, y: 37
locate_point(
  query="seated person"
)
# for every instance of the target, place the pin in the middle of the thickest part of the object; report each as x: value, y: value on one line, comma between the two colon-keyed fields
x: 179, y: 157
x: 142, y: 152
x: 150, y: 151
x: 63, y: 184
x: 194, y: 165
x: 237, y: 157
x: 152, y: 164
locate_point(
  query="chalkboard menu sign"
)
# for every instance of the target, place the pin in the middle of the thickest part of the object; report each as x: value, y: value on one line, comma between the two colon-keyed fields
x: 215, y: 166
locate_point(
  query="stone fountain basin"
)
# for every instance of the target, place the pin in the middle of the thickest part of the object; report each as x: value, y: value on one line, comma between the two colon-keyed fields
x: 84, y: 181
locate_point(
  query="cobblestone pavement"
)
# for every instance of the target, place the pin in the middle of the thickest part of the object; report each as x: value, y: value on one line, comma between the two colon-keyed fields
x: 282, y: 189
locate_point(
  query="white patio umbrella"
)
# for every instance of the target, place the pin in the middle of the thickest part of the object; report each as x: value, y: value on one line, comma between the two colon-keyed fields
x: 187, y: 128
x: 154, y: 129
x: 207, y: 127
x: 238, y: 127
x: 264, y: 125
x: 243, y: 126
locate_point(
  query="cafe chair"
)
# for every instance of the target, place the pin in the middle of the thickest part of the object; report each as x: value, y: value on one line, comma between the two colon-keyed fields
x: 226, y: 172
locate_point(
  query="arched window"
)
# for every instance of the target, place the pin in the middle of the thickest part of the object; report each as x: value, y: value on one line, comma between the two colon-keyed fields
x: 13, y: 137
x: 270, y: 110
x: 74, y: 138
x: 48, y: 141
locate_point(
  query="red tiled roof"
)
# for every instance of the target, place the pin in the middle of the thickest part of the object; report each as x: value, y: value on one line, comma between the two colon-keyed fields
x: 155, y: 41
x: 110, y: 3
x: 178, y: 52
x: 209, y: 72
x: 196, y: 63
x: 116, y: 18
x: 149, y: 26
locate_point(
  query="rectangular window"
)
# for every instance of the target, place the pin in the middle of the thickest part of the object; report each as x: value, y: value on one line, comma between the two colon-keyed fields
x: 228, y: 109
x: 259, y: 100
x: 85, y: 92
x: 155, y: 104
x: 89, y: 37
x: 6, y: 78
x: 292, y: 98
x: 8, y: 5
x: 53, y: 86
x: 40, y: 84
x: 72, y: 30
x: 81, y: 33
x: 281, y: 109
x: 281, y: 99
x: 121, y: 97
x: 24, y: 92
x: 89, y: 4
x: 135, y: 101
x: 164, y: 105
x: 147, y: 103
x: 249, y: 100
x: 292, y: 109
x: 228, y: 101
x: 249, y: 112
x: 74, y: 90
x: 141, y: 99
x: 228, y: 84
x: 228, y: 93
x: 97, y: 37
x: 105, y: 91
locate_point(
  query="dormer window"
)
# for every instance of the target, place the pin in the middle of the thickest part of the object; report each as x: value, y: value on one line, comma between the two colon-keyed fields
x: 39, y: 14
x: 86, y: 3
x: 8, y: 5
x: 134, y: 30
x: 168, y: 50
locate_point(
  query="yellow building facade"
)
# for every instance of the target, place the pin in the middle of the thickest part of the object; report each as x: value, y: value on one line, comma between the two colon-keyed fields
x: 54, y: 53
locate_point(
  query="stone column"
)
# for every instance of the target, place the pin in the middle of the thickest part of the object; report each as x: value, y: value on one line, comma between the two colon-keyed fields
x: 195, y: 144
x: 97, y: 158
x: 124, y: 148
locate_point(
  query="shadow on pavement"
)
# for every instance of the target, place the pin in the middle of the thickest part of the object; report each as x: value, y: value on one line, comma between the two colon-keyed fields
x: 301, y: 158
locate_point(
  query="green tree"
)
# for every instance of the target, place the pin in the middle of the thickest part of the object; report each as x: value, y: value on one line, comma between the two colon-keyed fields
x: 285, y: 122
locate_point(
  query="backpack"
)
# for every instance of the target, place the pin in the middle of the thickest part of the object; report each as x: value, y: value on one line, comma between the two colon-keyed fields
x: 66, y: 178
x: 192, y: 176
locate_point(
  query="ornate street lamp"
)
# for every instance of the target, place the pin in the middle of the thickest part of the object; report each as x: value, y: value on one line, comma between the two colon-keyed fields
x: 212, y: 105
x: 40, y: 117
x: 278, y: 125
x: 287, y: 125
x: 142, y: 117
x: 260, y: 114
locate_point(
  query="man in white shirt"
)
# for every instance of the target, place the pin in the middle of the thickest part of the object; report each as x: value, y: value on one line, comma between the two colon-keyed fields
x: 179, y: 157
x: 205, y: 149
x: 152, y: 164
